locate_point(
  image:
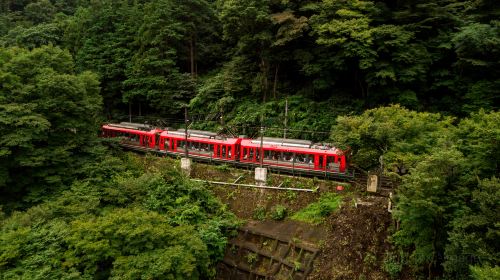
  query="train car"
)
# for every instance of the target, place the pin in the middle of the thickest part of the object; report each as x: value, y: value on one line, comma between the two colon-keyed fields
x: 200, y: 143
x: 283, y: 153
x: 291, y: 153
x: 133, y: 134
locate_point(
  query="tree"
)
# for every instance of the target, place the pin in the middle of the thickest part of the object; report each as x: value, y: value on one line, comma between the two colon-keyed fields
x: 125, y: 219
x: 478, y: 139
x: 427, y: 202
x: 49, y: 118
x: 473, y: 241
x: 396, y: 135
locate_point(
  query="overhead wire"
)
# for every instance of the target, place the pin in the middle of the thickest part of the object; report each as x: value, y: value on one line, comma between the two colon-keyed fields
x: 193, y: 118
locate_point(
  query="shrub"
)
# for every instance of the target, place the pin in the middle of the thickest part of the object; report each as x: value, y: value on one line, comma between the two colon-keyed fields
x: 279, y: 212
x: 259, y: 213
x: 223, y: 168
x: 315, y: 212
x: 392, y: 266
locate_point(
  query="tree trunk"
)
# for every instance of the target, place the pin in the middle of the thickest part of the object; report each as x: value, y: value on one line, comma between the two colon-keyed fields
x: 265, y: 82
x: 191, y: 55
x: 275, y: 80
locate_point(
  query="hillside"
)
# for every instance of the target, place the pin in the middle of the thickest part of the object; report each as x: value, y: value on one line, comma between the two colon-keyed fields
x: 405, y: 89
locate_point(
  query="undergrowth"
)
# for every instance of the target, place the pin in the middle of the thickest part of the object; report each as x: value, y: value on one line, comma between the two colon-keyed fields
x: 315, y: 212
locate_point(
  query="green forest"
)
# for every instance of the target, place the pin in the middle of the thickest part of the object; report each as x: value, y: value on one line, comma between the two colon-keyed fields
x: 410, y: 88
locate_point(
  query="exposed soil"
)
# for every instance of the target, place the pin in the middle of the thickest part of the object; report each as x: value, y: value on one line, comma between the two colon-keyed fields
x: 243, y: 202
x: 356, y: 242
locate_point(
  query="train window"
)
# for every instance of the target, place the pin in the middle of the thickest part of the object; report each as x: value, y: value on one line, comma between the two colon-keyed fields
x: 331, y: 164
x: 203, y: 148
x: 246, y: 153
x: 268, y: 155
x: 251, y: 154
x: 166, y: 143
x: 304, y: 159
x: 181, y: 144
x: 194, y: 146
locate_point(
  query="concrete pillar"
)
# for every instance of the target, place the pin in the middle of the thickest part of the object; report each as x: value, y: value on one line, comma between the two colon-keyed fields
x: 372, y: 184
x: 260, y: 176
x: 389, y: 204
x: 186, y: 165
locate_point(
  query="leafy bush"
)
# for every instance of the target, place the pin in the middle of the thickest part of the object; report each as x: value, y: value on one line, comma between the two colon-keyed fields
x: 279, y: 212
x: 485, y: 272
x: 315, y: 212
x: 259, y: 213
x: 392, y: 266
x: 223, y: 168
x: 123, y: 225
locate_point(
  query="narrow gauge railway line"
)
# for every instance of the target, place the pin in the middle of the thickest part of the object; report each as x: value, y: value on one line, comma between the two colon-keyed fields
x: 161, y: 143
x: 348, y: 176
x: 291, y: 156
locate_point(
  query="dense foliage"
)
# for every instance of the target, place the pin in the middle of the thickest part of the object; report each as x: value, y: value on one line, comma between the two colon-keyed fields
x: 226, y: 56
x: 448, y: 205
x: 131, y: 219
x: 233, y: 63
x: 49, y: 115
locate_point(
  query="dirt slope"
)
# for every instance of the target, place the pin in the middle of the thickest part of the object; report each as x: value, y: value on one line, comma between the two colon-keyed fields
x: 356, y: 242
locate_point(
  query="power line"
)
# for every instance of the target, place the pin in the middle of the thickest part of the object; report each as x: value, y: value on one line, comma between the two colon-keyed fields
x: 193, y: 120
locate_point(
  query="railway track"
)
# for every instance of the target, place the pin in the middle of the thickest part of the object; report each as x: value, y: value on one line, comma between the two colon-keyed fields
x: 355, y: 176
x: 348, y: 176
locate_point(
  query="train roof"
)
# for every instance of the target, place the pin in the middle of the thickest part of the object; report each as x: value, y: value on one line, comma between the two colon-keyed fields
x: 139, y: 125
x: 255, y: 143
x: 129, y: 129
x: 283, y: 142
x: 129, y: 125
x: 196, y: 133
x: 180, y: 135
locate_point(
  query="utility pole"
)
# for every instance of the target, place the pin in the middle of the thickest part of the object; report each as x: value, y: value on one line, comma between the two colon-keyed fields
x: 222, y: 117
x: 261, y: 142
x: 261, y: 172
x: 186, y: 131
x: 286, y: 117
x: 186, y: 161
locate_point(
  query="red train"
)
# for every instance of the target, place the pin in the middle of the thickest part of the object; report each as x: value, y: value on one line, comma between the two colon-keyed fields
x: 288, y: 154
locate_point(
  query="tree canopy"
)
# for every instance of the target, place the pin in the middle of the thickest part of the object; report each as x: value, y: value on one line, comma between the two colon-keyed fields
x: 49, y: 118
x: 408, y: 88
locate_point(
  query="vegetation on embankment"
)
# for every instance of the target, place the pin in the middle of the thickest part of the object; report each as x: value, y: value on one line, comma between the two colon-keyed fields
x: 130, y: 218
x: 317, y: 211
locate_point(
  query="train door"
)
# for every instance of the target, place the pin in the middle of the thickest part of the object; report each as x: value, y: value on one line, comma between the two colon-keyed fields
x: 243, y: 153
x: 342, y: 163
x: 175, y: 144
x: 141, y: 140
x: 321, y: 162
x: 224, y: 152
x: 216, y: 151
x: 156, y: 142
x: 166, y: 144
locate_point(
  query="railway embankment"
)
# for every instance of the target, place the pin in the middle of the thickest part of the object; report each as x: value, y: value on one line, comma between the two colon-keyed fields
x: 348, y: 240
